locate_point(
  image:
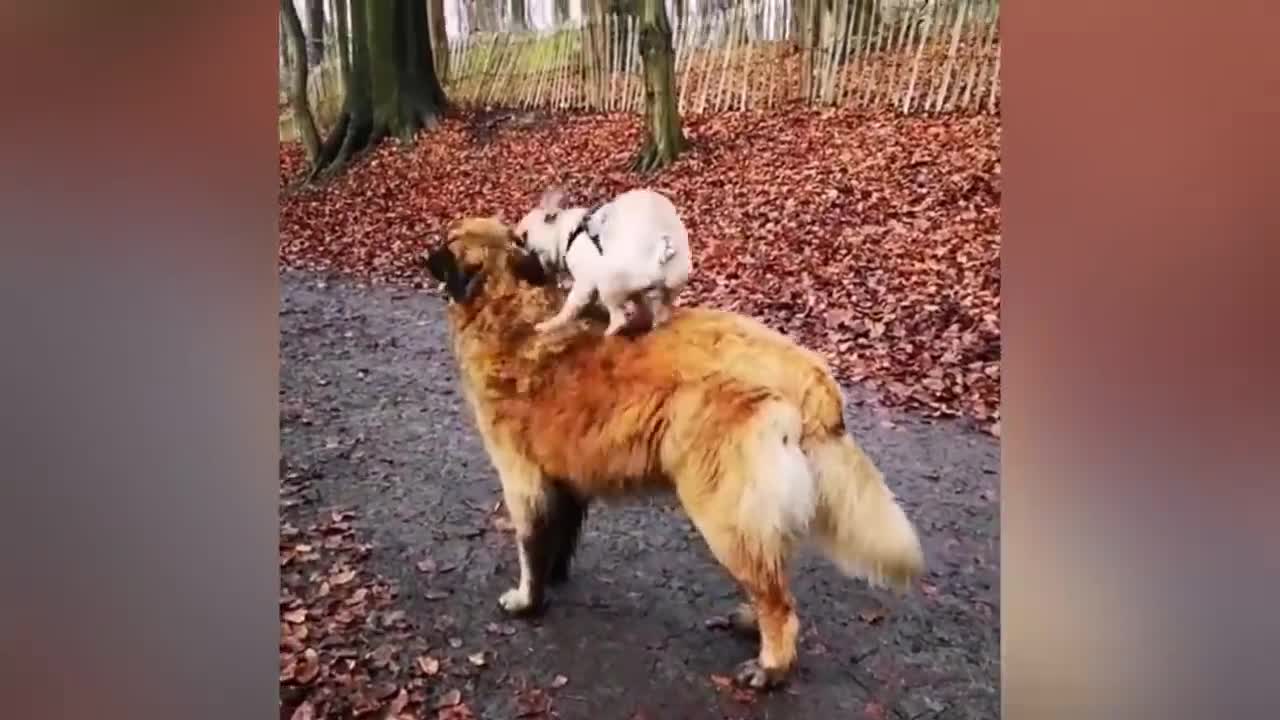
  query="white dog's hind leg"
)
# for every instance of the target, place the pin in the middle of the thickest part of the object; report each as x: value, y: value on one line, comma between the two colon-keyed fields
x: 615, y: 303
x: 655, y: 301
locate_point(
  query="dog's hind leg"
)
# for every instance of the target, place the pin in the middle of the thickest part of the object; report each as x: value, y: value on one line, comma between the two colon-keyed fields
x: 566, y: 514
x: 761, y: 572
x: 751, y: 496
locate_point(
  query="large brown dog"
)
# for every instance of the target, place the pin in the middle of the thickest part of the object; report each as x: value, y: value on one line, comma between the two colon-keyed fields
x: 742, y: 423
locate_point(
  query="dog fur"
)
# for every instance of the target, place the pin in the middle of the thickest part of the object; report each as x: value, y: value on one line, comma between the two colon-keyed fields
x: 744, y: 425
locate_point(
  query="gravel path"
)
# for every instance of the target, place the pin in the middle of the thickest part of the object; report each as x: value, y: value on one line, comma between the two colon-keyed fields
x: 372, y: 418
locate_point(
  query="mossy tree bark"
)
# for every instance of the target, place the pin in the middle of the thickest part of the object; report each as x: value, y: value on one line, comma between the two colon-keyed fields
x: 519, y: 16
x: 666, y: 138
x: 439, y: 38
x: 342, y: 11
x: 315, y: 32
x: 392, y: 89
x: 596, y: 38
x: 298, y: 100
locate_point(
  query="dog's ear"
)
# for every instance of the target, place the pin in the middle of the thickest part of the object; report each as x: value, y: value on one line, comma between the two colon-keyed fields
x: 462, y: 288
x: 528, y: 267
x: 551, y: 199
x: 441, y: 263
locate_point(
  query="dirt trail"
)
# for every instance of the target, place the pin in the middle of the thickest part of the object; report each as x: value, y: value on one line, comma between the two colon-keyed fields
x: 371, y: 420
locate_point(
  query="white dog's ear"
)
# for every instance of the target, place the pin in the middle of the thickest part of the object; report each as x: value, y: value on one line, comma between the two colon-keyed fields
x: 551, y: 198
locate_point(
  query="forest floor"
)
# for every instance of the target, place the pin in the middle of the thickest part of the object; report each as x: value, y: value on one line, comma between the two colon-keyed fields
x: 874, y: 240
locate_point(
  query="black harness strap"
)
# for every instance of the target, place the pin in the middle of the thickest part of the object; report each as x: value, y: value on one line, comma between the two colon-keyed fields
x: 582, y: 229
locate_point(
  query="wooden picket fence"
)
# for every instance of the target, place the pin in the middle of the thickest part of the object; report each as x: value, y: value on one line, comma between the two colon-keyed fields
x: 926, y: 56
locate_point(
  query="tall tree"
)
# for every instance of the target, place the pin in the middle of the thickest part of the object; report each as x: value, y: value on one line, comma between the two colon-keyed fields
x: 298, y: 81
x: 597, y: 39
x: 519, y: 16
x: 342, y: 14
x: 666, y: 138
x: 487, y: 15
x: 439, y: 38
x: 392, y: 88
x: 315, y: 32
x: 562, y: 11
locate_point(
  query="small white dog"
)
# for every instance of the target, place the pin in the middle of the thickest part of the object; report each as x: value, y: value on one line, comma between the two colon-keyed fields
x: 635, y: 247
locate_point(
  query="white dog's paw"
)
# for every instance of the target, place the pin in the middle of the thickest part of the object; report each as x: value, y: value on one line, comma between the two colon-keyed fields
x: 546, y: 326
x: 515, y: 600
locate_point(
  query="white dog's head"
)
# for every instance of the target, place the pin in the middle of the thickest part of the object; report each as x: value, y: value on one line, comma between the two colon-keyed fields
x: 541, y: 231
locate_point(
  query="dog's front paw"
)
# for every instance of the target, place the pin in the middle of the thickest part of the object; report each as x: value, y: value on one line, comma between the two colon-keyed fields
x: 516, y: 601
x: 545, y: 326
x: 753, y: 675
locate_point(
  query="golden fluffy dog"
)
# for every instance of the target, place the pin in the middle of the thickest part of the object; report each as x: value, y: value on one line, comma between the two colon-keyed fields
x: 743, y: 424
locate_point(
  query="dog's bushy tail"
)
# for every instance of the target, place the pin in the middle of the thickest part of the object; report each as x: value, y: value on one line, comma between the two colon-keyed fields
x: 858, y: 522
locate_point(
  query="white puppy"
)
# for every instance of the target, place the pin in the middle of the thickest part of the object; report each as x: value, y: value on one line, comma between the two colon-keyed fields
x: 635, y: 247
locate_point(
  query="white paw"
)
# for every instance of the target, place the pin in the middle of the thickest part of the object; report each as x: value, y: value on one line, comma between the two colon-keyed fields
x: 546, y: 326
x: 514, y: 600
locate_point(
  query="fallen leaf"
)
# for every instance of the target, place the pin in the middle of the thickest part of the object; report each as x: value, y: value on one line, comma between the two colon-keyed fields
x: 449, y: 699
x: 305, y: 711
x: 426, y: 566
x: 722, y: 681
x: 428, y: 665
x: 476, y: 659
x: 457, y: 712
x: 744, y: 696
x: 295, y: 616
x: 308, y: 667
x: 398, y: 704
x: 381, y: 657
x: 342, y: 578
x: 559, y: 681
x: 532, y: 702
x: 502, y: 629
x: 455, y: 643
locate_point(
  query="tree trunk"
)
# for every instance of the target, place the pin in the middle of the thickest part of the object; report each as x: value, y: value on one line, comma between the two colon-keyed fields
x: 666, y: 139
x: 392, y: 88
x: 598, y: 33
x: 343, y: 12
x: 469, y: 10
x: 487, y: 15
x: 315, y: 32
x: 284, y: 47
x: 562, y: 11
x: 519, y: 19
x: 298, y: 82
x: 439, y: 38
